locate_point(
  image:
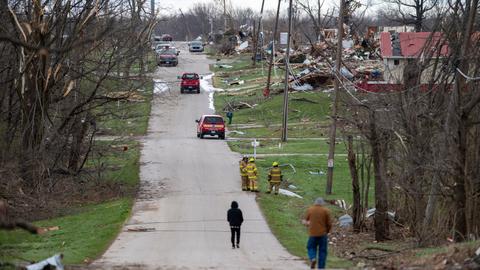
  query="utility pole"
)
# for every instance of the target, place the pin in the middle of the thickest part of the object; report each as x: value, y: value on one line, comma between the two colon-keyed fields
x: 287, y: 62
x: 255, y: 43
x: 152, y: 7
x: 333, y: 127
x: 272, y: 56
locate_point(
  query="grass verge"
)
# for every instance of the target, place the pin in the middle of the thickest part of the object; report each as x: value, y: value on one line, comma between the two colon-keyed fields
x: 81, y: 238
x: 87, y: 230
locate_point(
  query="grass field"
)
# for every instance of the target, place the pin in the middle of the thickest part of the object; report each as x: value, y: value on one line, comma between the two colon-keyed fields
x: 81, y: 238
x: 87, y: 231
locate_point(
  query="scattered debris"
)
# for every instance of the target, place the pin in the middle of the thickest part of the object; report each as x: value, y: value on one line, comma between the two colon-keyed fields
x: 289, y: 193
x: 371, y: 213
x: 140, y: 229
x: 54, y: 261
x: 345, y: 221
x: 237, y: 132
x: 305, y: 100
x: 223, y: 66
x: 318, y: 172
x: 236, y: 82
x: 292, y: 187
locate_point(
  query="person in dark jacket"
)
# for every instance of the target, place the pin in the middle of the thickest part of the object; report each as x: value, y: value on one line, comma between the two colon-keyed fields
x: 235, y: 218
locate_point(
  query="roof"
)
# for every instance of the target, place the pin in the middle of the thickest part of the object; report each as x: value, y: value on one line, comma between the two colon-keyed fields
x: 412, y: 44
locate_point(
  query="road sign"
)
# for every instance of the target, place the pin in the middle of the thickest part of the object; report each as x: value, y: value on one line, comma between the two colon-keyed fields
x: 255, y: 144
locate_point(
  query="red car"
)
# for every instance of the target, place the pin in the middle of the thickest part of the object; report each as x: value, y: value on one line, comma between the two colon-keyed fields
x: 212, y: 125
x: 190, y: 82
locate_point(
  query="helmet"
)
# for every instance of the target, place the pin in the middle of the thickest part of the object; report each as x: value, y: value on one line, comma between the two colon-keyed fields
x: 251, y: 159
x: 275, y: 164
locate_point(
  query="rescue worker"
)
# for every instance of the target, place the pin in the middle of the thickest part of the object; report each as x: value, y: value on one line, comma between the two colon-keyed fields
x: 243, y: 173
x: 275, y: 177
x: 252, y: 174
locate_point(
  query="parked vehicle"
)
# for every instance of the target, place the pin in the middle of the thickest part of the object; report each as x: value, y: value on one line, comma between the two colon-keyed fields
x: 161, y: 46
x: 167, y: 37
x: 190, y: 82
x: 168, y: 57
x: 212, y: 125
x: 195, y: 46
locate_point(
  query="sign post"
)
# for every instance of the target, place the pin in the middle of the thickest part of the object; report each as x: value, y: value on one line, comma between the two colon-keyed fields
x: 255, y: 143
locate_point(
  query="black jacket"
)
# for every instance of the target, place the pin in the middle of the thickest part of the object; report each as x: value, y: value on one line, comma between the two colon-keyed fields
x: 234, y: 216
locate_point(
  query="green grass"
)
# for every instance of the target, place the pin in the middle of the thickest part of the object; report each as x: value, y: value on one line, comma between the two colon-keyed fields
x: 127, y: 118
x: 120, y: 166
x: 306, y: 130
x: 82, y: 236
x: 284, y: 213
x: 294, y: 146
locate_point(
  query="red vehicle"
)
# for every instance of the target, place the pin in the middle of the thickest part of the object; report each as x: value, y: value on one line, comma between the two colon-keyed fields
x: 212, y: 125
x: 190, y: 82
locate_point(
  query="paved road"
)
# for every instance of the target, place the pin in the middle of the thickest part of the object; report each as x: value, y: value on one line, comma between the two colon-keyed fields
x: 187, y: 185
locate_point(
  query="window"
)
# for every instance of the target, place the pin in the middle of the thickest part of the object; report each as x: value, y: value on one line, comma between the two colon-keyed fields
x: 213, y: 120
x: 190, y: 76
x: 396, y: 62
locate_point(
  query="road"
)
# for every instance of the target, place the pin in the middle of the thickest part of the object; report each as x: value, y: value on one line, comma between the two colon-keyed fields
x: 187, y: 185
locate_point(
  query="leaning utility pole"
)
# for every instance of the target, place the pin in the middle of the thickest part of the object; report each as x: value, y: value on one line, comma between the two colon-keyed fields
x: 269, y: 76
x: 255, y: 43
x: 333, y: 128
x: 287, y: 62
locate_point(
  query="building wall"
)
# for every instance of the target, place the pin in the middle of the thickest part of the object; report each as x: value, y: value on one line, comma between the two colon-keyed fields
x: 393, y: 71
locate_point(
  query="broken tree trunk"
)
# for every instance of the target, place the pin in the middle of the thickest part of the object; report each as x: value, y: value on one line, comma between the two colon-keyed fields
x: 357, y: 207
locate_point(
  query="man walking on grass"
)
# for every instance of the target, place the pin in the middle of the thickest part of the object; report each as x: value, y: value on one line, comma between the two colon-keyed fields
x: 317, y: 218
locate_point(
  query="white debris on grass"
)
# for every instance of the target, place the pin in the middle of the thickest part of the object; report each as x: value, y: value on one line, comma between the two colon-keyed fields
x: 206, y: 85
x: 238, y: 132
x: 242, y: 46
x: 292, y: 187
x: 55, y: 261
x: 289, y: 193
x: 160, y: 86
x: 304, y: 87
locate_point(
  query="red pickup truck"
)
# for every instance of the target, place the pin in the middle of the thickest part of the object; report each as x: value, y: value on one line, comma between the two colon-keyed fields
x: 190, y: 82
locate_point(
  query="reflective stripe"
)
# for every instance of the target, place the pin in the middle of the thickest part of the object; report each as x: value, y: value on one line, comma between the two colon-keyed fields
x: 275, y: 175
x: 251, y: 171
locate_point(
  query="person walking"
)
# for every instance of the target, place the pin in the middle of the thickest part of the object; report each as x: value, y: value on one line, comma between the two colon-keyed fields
x: 235, y: 219
x: 243, y: 173
x: 252, y: 174
x: 275, y: 177
x: 319, y: 223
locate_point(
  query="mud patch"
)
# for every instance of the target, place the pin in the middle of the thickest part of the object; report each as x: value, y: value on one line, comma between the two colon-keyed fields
x: 152, y: 190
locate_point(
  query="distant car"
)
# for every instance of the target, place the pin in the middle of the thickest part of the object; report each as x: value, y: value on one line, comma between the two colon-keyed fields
x: 161, y: 46
x: 212, y: 125
x: 195, y: 46
x: 168, y: 57
x: 167, y: 37
x: 190, y: 82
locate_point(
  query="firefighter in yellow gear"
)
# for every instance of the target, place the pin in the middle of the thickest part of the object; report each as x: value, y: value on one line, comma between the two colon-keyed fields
x: 275, y: 177
x: 252, y: 174
x: 243, y: 173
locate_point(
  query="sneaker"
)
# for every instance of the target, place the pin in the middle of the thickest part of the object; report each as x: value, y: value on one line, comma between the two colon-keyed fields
x: 312, y: 264
x: 238, y: 246
x: 233, y: 246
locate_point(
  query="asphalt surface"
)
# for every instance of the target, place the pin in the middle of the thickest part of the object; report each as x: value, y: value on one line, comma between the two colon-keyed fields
x: 187, y: 185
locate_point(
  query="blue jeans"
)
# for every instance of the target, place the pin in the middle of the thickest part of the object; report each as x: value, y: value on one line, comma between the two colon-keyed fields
x: 318, y: 243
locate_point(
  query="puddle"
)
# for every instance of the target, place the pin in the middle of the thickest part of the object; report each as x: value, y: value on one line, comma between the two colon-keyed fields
x: 160, y: 86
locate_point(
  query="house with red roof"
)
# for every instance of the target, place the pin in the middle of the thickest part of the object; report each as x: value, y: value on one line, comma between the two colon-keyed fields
x: 397, y: 49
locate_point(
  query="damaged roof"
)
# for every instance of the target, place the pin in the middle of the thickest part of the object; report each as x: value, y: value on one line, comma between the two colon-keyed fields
x: 412, y: 44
